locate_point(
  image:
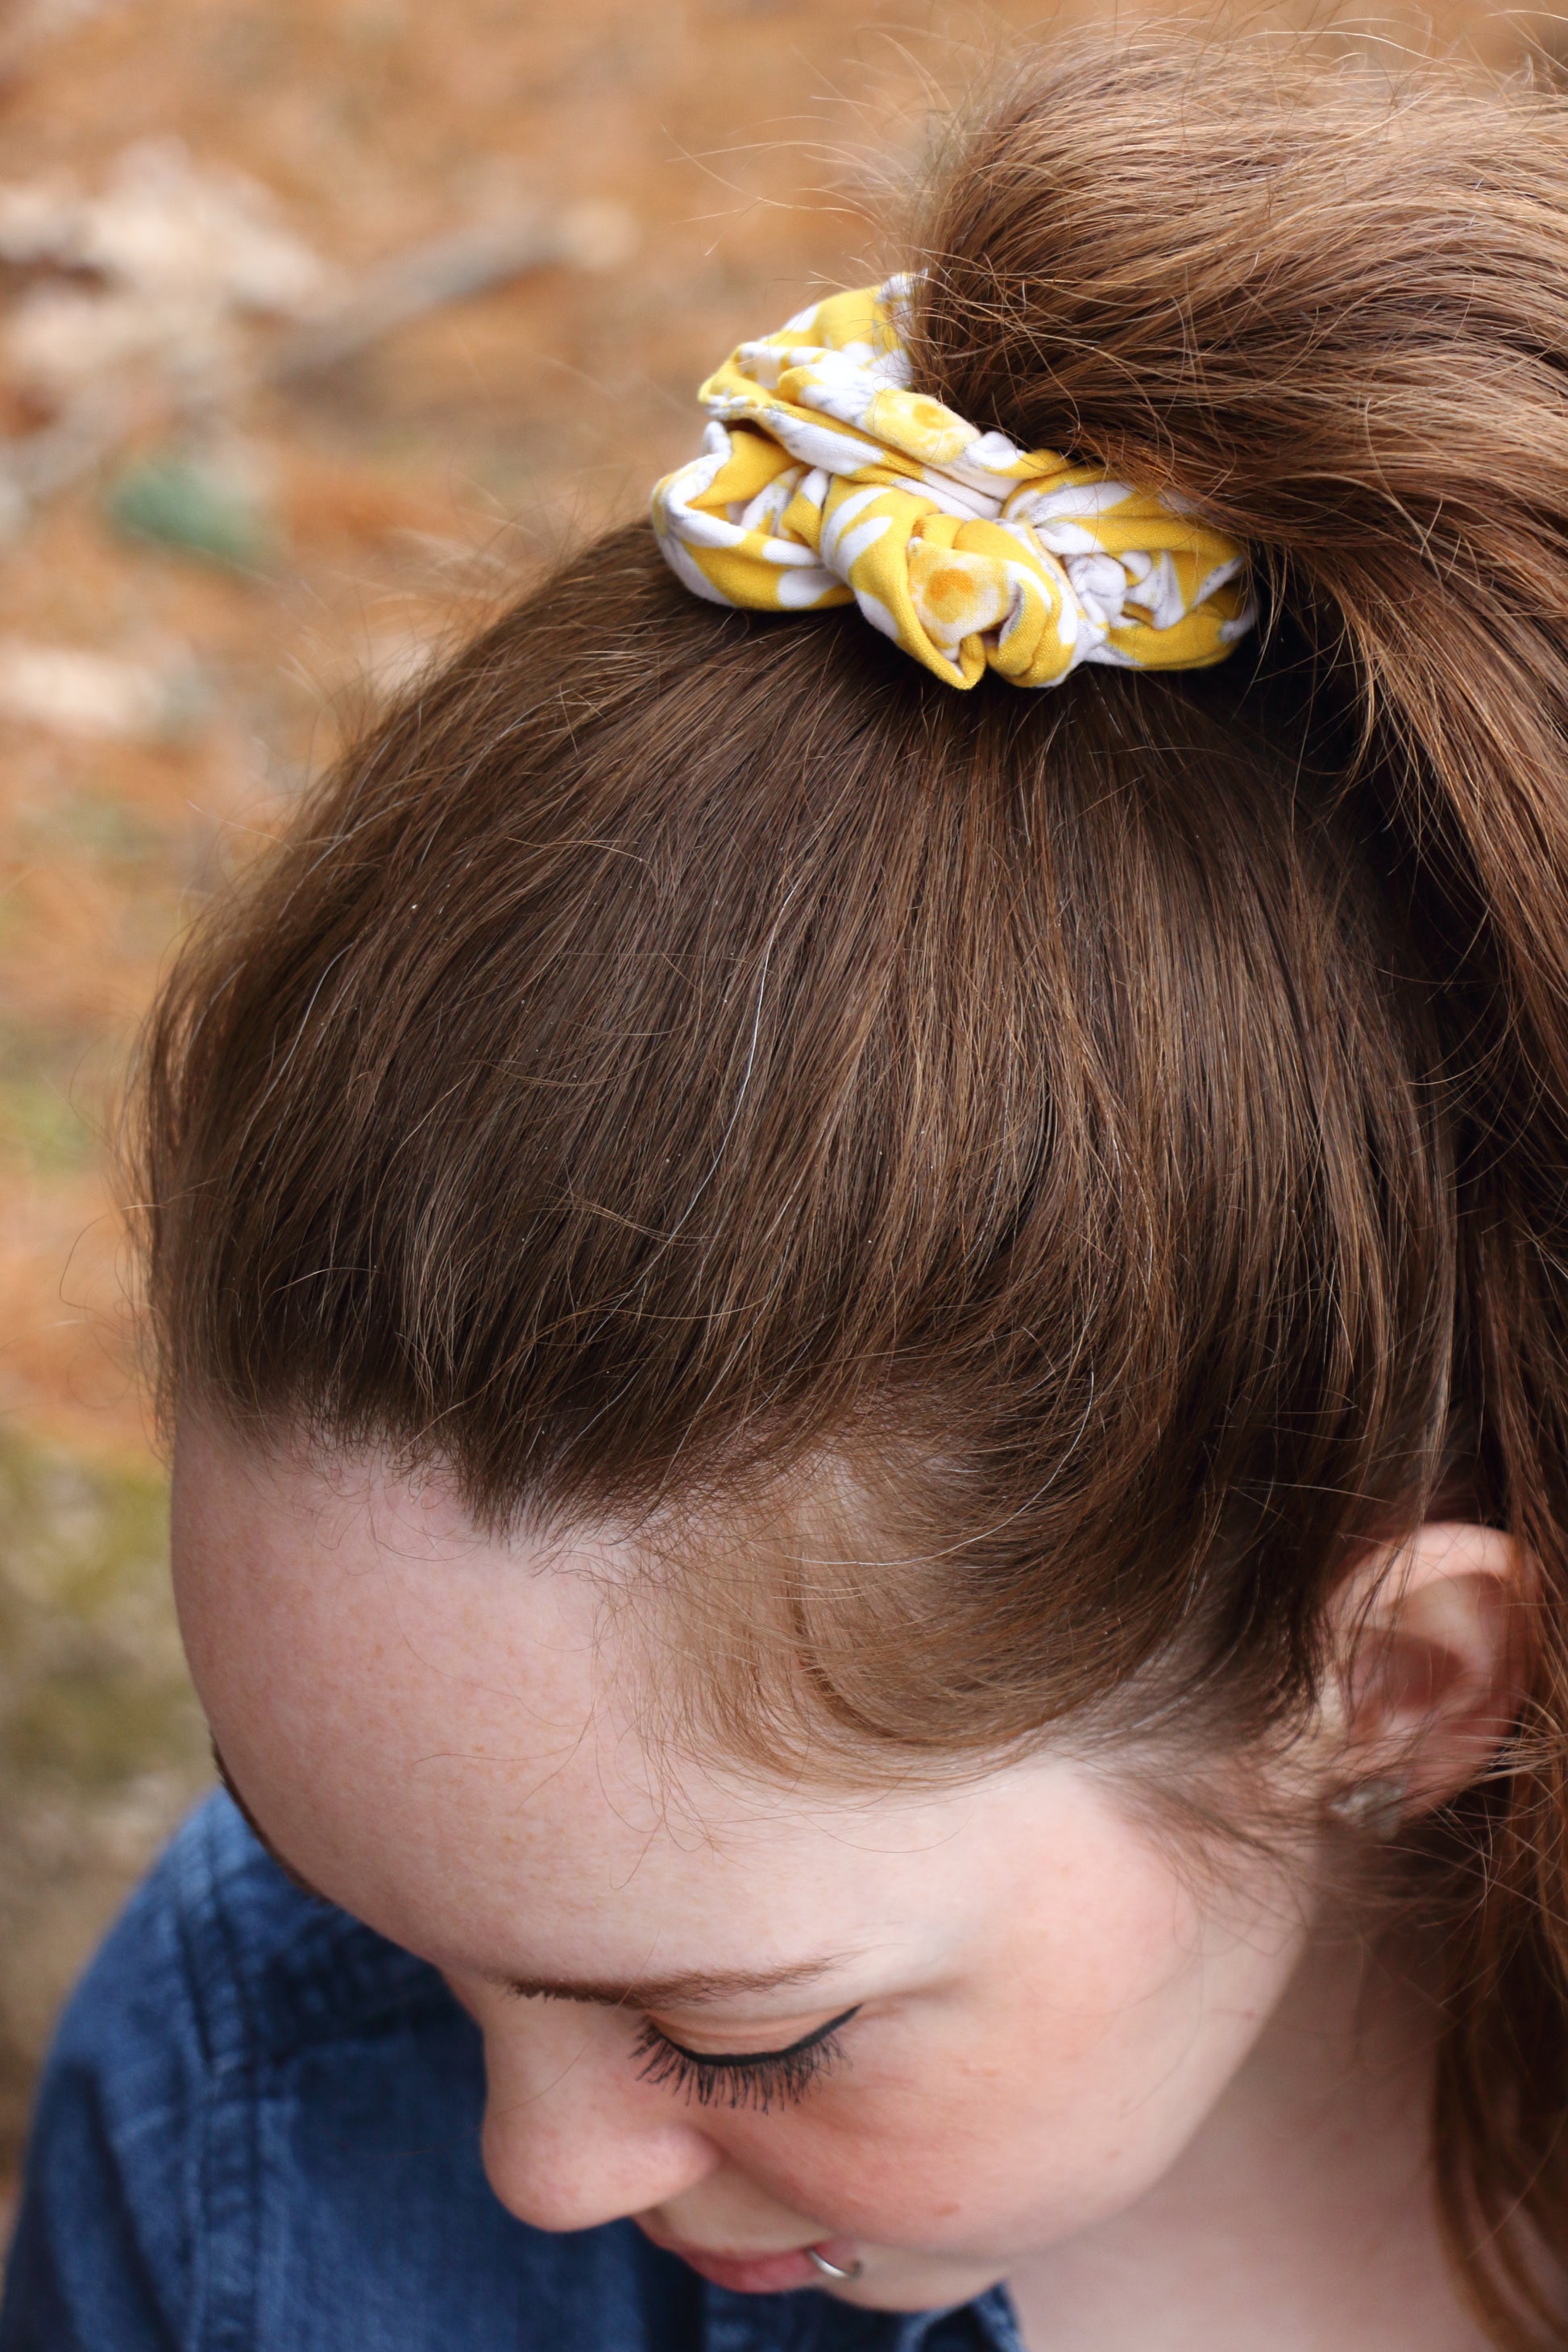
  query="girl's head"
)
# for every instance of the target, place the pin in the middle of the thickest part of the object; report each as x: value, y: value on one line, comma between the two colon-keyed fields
x: 824, y: 1324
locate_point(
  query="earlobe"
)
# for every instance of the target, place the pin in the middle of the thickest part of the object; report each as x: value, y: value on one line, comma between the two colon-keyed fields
x: 1430, y: 1670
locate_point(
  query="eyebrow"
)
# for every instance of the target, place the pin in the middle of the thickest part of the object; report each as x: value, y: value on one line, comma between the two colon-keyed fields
x: 295, y: 1877
x: 688, y: 1989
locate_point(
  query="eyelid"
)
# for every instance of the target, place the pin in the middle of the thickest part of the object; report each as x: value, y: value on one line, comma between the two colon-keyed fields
x: 760, y: 2057
x: 758, y: 2079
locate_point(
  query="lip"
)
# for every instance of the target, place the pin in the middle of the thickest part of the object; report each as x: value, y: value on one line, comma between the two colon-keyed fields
x: 755, y: 2274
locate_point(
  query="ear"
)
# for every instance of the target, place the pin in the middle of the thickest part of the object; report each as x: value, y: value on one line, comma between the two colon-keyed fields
x: 1430, y: 1665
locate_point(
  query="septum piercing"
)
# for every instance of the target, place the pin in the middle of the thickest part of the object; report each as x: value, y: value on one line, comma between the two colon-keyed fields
x: 833, y: 2270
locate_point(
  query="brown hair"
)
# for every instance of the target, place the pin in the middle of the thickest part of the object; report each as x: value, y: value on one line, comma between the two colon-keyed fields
x: 1124, y: 1127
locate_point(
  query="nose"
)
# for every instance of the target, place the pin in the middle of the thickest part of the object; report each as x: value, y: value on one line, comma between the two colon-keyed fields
x: 571, y: 2137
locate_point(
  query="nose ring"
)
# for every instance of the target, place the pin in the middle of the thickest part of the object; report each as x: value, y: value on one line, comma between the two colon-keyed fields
x: 833, y: 2270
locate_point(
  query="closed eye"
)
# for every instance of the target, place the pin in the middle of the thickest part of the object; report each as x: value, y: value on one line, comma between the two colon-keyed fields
x: 742, y: 2078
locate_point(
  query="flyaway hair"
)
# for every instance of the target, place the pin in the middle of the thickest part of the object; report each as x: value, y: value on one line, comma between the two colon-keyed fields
x: 1113, y: 1142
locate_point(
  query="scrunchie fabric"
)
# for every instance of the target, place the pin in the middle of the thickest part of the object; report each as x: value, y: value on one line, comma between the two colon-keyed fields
x: 825, y: 478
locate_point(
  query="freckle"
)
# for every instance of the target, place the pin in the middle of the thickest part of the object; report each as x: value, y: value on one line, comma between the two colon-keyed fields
x: 944, y: 2212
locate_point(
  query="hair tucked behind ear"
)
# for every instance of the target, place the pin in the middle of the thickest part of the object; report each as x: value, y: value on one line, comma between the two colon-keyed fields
x: 1125, y: 1130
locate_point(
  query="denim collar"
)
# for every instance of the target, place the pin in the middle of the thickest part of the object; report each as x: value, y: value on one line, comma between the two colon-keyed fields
x: 816, y: 2323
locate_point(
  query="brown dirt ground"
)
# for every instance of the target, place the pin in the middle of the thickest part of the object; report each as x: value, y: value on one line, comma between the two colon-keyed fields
x: 409, y: 489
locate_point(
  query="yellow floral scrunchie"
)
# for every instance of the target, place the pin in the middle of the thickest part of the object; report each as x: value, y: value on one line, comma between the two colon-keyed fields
x: 825, y: 478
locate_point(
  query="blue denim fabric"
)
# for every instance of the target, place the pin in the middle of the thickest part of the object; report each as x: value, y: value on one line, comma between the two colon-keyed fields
x: 258, y: 2132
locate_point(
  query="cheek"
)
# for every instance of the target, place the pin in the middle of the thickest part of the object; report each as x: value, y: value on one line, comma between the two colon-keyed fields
x: 1054, y: 2096
x: 956, y: 2152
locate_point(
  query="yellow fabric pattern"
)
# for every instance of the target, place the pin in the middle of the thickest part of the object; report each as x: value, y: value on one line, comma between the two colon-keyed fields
x: 824, y: 479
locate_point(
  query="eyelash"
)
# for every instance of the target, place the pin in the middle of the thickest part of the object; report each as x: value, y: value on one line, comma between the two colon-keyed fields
x: 757, y: 2080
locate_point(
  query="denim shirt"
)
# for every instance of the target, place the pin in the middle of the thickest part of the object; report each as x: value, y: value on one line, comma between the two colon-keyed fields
x: 259, y: 2131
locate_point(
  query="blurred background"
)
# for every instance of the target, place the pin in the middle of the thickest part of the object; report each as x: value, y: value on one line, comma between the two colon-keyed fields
x: 323, y: 325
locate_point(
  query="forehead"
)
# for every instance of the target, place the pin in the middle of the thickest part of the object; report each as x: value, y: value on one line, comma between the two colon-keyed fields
x: 446, y: 1731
